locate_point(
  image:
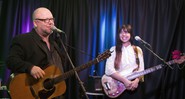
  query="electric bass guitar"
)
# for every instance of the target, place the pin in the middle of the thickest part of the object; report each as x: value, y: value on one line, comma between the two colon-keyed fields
x: 24, y: 86
x: 113, y: 88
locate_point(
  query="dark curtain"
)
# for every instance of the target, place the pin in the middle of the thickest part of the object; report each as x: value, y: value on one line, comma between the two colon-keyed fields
x: 90, y: 28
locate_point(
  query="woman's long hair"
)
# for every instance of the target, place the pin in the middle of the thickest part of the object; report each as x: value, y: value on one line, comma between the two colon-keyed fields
x: 119, y: 44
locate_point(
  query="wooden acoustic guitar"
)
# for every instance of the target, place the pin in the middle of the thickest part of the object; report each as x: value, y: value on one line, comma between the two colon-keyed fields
x: 114, y: 88
x: 24, y: 86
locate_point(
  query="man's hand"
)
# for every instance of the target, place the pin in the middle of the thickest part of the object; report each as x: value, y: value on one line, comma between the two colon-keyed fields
x: 180, y: 61
x: 37, y: 72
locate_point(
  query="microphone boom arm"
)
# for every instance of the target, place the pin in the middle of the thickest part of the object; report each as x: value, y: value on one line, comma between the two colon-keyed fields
x: 148, y: 47
x: 157, y: 56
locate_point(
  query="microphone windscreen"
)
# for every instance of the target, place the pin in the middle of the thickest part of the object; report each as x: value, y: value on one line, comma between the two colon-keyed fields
x: 53, y: 28
x: 137, y: 38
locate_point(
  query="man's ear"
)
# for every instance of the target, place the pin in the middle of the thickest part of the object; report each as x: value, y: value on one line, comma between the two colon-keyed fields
x: 34, y: 24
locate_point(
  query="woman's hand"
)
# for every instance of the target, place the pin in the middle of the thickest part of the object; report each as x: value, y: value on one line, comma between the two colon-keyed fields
x: 131, y: 85
x: 128, y: 84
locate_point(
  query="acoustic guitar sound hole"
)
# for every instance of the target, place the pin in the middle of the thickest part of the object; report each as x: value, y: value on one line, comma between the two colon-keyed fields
x: 48, y: 84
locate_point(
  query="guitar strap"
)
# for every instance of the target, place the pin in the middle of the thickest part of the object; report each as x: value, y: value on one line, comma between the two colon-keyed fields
x: 137, y: 58
x: 141, y: 78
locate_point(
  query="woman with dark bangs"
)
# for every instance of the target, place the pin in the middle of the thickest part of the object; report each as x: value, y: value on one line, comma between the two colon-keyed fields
x: 126, y: 59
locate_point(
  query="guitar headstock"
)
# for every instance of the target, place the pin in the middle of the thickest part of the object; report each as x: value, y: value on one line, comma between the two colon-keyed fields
x: 178, y: 57
x: 104, y: 55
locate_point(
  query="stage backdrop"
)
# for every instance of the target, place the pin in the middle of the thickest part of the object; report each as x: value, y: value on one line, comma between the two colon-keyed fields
x: 90, y: 28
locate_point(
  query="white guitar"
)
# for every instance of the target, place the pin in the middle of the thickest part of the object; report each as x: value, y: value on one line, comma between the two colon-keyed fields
x: 113, y: 88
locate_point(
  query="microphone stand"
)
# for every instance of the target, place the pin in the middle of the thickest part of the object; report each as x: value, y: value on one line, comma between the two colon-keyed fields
x: 163, y: 82
x: 76, y: 74
x: 157, y: 56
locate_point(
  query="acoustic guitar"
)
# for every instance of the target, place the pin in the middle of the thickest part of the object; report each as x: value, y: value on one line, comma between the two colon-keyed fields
x: 114, y: 88
x: 24, y: 86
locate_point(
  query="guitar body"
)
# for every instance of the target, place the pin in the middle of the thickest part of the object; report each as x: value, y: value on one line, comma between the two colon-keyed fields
x: 112, y: 88
x: 24, y: 86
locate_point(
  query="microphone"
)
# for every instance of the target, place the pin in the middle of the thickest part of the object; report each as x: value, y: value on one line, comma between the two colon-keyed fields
x: 137, y: 38
x: 54, y: 28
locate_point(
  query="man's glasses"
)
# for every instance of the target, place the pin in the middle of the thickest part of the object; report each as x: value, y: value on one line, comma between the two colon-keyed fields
x: 47, y: 20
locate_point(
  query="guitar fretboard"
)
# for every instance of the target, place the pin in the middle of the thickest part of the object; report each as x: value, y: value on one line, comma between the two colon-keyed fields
x: 149, y: 70
x: 65, y: 75
x: 71, y: 72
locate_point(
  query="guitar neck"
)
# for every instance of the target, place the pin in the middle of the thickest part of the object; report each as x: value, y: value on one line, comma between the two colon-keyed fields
x: 71, y: 72
x: 147, y: 71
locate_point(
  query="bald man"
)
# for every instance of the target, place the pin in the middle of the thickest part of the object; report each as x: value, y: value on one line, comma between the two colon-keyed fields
x: 33, y: 52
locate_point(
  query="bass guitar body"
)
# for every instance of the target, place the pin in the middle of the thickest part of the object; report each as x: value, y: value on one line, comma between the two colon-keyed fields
x: 24, y: 86
x: 113, y: 88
